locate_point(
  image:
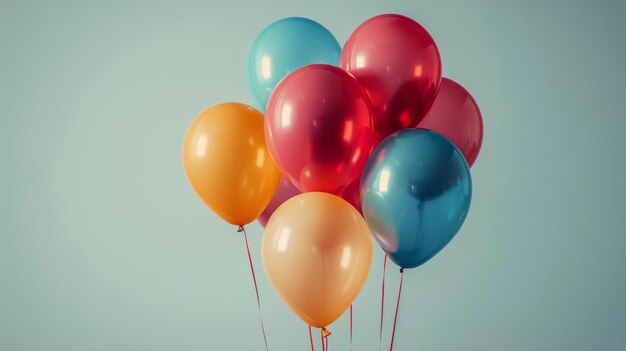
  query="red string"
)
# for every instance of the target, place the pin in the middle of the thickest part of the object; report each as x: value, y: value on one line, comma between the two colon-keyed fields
x: 323, y: 345
x: 326, y: 343
x: 350, y: 327
x: 311, y: 338
x: 382, y: 306
x: 395, y: 317
x: 256, y: 287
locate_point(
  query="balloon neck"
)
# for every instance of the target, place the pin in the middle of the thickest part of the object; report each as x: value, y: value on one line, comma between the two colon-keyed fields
x: 401, y: 270
x: 325, y: 332
x: 240, y: 229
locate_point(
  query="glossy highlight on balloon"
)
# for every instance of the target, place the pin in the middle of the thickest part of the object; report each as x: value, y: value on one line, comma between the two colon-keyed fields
x: 317, y: 253
x: 285, y: 46
x: 285, y: 191
x: 318, y: 128
x: 227, y: 162
x: 416, y: 191
x: 456, y: 115
x: 398, y: 63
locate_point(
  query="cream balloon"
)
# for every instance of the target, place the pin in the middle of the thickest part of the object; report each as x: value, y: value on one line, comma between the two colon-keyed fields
x: 317, y: 253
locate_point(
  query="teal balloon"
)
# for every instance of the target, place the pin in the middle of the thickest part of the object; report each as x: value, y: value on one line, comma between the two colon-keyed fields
x: 416, y: 191
x: 284, y: 46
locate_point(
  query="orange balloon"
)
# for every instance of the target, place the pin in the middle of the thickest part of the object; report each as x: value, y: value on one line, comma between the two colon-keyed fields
x: 317, y: 253
x: 228, y: 164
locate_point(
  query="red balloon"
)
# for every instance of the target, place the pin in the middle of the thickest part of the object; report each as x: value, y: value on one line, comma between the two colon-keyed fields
x: 456, y: 115
x: 284, y: 192
x: 352, y: 194
x: 318, y: 128
x: 398, y: 63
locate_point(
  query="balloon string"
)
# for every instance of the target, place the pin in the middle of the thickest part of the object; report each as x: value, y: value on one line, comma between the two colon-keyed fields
x: 395, y: 317
x: 350, y: 327
x: 323, y: 345
x: 311, y: 338
x: 256, y: 287
x: 382, y: 306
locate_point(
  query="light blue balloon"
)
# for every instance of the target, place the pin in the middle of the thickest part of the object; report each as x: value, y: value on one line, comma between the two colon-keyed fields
x: 284, y: 46
x: 416, y: 191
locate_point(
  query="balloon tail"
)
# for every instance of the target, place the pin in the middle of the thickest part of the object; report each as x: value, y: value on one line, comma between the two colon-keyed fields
x: 256, y: 287
x: 395, y: 317
x: 350, y: 327
x: 382, y: 305
x: 311, y: 338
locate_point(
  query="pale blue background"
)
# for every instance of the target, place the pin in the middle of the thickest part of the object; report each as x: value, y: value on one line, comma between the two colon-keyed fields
x: 104, y: 246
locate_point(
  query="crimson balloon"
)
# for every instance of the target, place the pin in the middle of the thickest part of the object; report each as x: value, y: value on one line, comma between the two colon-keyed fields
x: 352, y: 194
x: 318, y: 128
x: 285, y: 191
x: 456, y: 115
x: 398, y: 63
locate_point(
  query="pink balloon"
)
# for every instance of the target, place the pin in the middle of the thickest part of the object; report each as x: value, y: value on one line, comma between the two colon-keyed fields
x: 284, y: 192
x: 318, y: 128
x: 456, y: 115
x: 398, y: 63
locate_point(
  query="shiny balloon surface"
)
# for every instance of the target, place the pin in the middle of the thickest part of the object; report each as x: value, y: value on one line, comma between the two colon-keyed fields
x: 318, y: 128
x: 456, y: 115
x: 227, y: 162
x: 416, y: 190
x: 317, y: 253
x: 398, y: 63
x: 285, y: 46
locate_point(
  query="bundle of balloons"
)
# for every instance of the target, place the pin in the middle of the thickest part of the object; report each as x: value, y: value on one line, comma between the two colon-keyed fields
x: 357, y: 142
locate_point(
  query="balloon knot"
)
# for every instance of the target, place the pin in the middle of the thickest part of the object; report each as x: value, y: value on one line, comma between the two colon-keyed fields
x: 401, y: 270
x: 240, y: 229
x: 325, y: 332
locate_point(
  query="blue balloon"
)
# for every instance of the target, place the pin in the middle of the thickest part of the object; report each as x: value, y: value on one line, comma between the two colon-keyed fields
x: 284, y: 46
x: 416, y: 190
